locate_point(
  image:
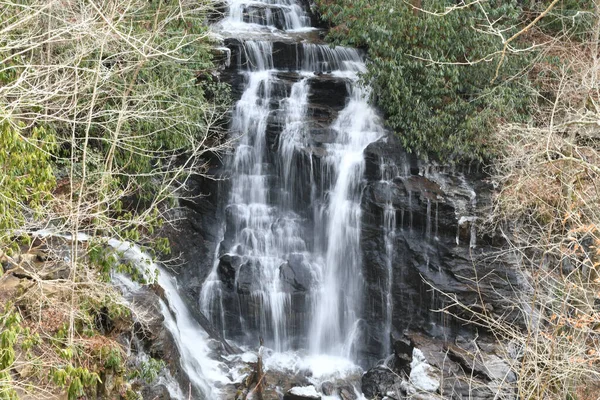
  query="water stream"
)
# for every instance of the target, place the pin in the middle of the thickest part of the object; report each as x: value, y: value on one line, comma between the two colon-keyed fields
x: 294, y: 210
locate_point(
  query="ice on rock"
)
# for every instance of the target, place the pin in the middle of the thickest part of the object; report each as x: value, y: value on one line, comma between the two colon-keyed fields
x: 422, y: 375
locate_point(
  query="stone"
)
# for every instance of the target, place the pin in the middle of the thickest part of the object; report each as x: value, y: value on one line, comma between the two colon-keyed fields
x: 347, y: 393
x: 403, y: 349
x: 422, y: 375
x: 9, y: 282
x: 108, y: 383
x: 378, y: 381
x: 302, y: 393
x: 156, y: 392
x: 227, y: 269
x: 295, y: 274
x: 24, y: 369
x: 327, y: 388
x: 498, y: 369
x: 248, y: 276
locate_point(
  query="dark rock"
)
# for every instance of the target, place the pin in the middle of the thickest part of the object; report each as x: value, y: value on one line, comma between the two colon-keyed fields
x: 347, y: 393
x: 378, y: 381
x: 295, y: 274
x: 328, y: 91
x: 249, y: 277
x: 467, y: 367
x: 156, y: 392
x: 403, y: 349
x: 435, y: 244
x: 227, y: 269
x: 327, y: 388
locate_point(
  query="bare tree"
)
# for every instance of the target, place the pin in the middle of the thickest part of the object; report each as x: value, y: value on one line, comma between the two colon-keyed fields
x: 548, y: 210
x: 116, y: 83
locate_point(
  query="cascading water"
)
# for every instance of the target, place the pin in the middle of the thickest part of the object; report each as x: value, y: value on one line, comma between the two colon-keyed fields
x: 188, y: 335
x: 389, y: 172
x: 246, y: 15
x: 336, y: 302
x: 291, y: 239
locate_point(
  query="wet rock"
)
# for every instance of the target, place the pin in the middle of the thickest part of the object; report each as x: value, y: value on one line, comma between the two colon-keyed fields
x: 434, y: 244
x: 465, y: 368
x: 323, y: 135
x: 403, y: 350
x: 485, y: 366
x: 227, y: 269
x: 347, y: 393
x: 328, y: 91
x: 217, y: 11
x: 156, y: 392
x: 248, y: 277
x: 302, y: 393
x: 328, y: 388
x: 295, y: 274
x: 379, y: 381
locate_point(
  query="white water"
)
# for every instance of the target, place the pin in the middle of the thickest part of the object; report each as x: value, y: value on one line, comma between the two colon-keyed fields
x: 266, y: 15
x: 337, y: 307
x: 268, y: 223
x: 190, y: 338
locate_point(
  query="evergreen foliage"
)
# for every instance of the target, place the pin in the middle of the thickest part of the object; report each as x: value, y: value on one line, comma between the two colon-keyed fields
x: 27, y: 175
x: 433, y: 72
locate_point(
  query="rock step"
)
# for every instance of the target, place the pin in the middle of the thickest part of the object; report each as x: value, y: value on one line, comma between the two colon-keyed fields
x: 294, y: 56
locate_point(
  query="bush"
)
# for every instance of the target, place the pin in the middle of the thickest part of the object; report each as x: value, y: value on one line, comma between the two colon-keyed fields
x: 433, y: 72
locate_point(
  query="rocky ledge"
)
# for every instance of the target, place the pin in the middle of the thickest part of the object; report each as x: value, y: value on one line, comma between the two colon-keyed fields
x: 422, y: 367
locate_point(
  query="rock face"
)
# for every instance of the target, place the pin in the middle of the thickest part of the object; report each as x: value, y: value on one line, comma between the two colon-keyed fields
x: 380, y: 382
x: 459, y: 368
x: 432, y: 240
x: 434, y: 243
x: 196, y: 235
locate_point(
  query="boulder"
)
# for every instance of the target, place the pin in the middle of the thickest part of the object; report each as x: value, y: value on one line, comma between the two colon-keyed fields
x: 156, y: 392
x: 379, y: 381
x: 302, y: 393
x: 328, y: 388
x: 403, y: 350
x: 295, y: 274
x: 248, y: 277
x: 347, y: 393
x: 227, y: 269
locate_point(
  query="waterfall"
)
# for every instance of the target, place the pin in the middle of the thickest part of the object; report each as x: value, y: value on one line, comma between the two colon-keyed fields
x: 289, y: 265
x: 287, y: 15
x: 337, y: 300
x: 190, y: 338
x: 389, y: 172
